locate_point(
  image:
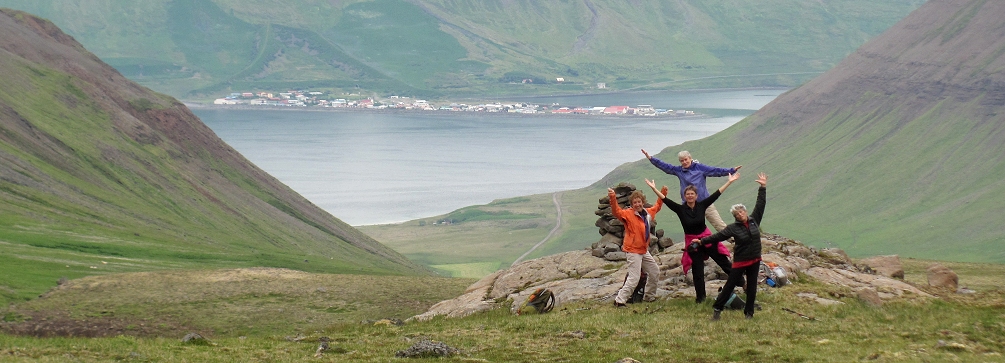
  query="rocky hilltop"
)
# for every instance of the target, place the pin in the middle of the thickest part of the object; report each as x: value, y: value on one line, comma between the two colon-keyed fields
x: 581, y: 276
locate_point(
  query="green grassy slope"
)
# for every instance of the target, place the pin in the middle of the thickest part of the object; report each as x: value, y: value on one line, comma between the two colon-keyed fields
x: 895, y: 151
x: 100, y: 175
x: 444, y: 47
x: 280, y: 316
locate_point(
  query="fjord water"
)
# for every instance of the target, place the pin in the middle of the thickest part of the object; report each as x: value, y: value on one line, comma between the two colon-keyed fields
x: 369, y: 167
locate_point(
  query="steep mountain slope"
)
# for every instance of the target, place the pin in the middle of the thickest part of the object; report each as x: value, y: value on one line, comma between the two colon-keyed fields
x: 191, y: 48
x: 99, y: 174
x: 898, y: 149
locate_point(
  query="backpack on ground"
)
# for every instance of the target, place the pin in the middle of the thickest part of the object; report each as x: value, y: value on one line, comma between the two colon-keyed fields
x: 542, y: 300
x: 773, y: 275
x: 640, y: 290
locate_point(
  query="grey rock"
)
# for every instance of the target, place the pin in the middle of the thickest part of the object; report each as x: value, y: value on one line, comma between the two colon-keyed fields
x: 427, y: 349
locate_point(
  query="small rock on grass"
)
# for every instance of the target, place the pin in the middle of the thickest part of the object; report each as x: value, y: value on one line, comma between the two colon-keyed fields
x: 427, y: 349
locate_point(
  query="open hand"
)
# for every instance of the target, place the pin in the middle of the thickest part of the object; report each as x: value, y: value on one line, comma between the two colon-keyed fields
x: 646, y: 154
x: 733, y: 177
x: 762, y: 179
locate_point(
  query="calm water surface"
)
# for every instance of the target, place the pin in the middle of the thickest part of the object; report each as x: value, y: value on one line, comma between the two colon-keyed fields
x: 371, y: 168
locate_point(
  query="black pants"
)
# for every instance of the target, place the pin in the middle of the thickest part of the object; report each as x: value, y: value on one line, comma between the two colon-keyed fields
x: 736, y: 279
x: 698, y: 266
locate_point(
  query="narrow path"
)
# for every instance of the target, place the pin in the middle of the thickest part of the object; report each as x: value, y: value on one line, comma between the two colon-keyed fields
x: 558, y: 226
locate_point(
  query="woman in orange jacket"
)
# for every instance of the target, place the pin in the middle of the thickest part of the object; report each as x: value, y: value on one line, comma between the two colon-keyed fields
x: 637, y: 221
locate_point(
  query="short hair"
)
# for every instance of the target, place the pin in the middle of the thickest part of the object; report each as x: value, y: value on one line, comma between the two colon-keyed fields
x: 683, y: 154
x: 637, y: 194
x: 735, y: 208
x: 691, y: 188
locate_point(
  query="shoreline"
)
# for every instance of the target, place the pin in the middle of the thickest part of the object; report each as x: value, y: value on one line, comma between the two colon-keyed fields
x: 196, y: 106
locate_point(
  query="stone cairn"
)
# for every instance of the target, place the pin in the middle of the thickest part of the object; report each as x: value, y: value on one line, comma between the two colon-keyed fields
x: 612, y: 231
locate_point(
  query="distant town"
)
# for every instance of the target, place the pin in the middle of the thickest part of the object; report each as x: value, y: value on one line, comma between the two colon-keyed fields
x: 324, y: 100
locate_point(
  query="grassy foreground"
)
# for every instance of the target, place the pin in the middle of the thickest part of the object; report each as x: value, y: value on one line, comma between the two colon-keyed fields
x: 273, y: 315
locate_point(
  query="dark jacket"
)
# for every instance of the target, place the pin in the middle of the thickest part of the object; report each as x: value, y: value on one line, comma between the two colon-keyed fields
x: 746, y: 238
x: 692, y: 219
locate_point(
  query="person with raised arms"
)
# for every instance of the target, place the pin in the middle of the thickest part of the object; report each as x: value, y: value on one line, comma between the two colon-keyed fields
x: 691, y: 172
x: 692, y: 219
x: 637, y: 220
x: 746, y: 234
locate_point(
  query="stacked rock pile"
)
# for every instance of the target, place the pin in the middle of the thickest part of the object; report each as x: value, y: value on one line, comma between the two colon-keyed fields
x: 612, y: 231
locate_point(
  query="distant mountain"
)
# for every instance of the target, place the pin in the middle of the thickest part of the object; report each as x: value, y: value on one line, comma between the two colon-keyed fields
x: 897, y: 150
x: 99, y: 175
x: 202, y: 48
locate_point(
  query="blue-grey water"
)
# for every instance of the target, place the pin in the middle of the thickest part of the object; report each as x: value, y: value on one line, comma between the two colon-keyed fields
x: 371, y: 168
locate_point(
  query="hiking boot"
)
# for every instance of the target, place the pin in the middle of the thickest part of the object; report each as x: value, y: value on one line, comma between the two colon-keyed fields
x: 619, y: 305
x: 699, y: 300
x: 748, y: 316
x: 649, y: 299
x: 715, y: 314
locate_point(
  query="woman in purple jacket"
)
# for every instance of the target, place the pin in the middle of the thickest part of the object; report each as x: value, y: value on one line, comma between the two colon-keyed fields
x: 691, y: 172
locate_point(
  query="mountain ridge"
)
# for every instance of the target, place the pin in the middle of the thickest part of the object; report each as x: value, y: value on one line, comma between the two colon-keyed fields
x: 443, y: 48
x: 95, y: 167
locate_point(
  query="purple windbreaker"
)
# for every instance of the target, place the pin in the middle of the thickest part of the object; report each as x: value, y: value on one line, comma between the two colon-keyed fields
x: 695, y: 175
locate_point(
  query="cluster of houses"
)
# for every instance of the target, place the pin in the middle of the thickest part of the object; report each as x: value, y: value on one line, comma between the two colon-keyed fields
x: 319, y: 99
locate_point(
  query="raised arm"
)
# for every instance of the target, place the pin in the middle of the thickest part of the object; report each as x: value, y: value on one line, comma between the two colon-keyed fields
x: 652, y: 185
x: 732, y: 178
x: 714, y: 171
x: 762, y: 179
x: 662, y: 194
x: 667, y: 168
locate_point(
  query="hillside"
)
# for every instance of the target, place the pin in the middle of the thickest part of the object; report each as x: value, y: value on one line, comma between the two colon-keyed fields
x: 897, y: 150
x: 101, y: 175
x: 437, y: 48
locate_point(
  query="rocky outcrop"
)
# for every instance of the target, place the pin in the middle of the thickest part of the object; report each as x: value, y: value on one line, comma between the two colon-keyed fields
x: 582, y: 276
x: 888, y: 266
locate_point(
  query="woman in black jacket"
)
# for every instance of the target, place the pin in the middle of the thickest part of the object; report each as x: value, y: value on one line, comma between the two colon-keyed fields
x: 692, y: 218
x: 746, y: 234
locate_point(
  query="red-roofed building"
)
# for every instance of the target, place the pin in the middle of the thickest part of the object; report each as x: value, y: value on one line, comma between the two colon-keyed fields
x: 616, y: 110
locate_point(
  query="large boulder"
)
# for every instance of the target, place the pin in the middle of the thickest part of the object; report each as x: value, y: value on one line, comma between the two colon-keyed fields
x: 942, y: 277
x: 888, y: 266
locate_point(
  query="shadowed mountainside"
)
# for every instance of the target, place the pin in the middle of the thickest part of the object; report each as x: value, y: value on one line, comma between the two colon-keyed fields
x: 441, y: 48
x: 895, y: 150
x: 99, y: 175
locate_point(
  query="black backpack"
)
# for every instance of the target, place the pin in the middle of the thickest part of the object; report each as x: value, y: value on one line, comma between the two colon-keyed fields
x: 640, y: 289
x: 542, y: 300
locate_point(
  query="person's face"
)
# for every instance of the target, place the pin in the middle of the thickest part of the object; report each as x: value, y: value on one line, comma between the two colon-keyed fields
x: 685, y: 161
x: 637, y: 204
x: 690, y: 196
x: 741, y: 215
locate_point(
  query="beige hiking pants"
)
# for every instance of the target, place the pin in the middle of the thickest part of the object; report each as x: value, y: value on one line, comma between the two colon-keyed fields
x: 636, y: 264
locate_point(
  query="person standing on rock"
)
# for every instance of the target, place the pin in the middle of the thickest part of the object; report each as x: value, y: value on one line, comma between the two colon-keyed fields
x: 692, y: 219
x: 746, y: 234
x: 637, y: 221
x: 691, y: 172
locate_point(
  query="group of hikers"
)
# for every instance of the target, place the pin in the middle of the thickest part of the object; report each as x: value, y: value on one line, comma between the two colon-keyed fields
x: 700, y: 243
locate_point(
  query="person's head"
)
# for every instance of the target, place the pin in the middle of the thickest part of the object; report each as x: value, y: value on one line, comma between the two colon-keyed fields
x: 739, y: 212
x: 638, y: 200
x: 690, y: 194
x: 685, y: 159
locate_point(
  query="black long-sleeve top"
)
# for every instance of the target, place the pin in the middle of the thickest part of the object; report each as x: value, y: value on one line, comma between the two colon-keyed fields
x: 692, y: 219
x: 747, y: 236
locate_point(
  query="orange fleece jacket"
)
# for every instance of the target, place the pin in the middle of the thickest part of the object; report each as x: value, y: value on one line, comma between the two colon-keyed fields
x: 635, y: 227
